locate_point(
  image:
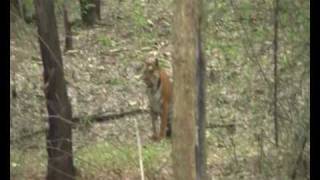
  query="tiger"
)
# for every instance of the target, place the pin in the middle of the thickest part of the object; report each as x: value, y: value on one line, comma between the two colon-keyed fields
x: 159, y: 91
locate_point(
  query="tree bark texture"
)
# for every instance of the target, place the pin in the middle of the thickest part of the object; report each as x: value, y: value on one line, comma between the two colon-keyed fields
x: 59, y: 136
x: 185, y: 58
x: 88, y: 12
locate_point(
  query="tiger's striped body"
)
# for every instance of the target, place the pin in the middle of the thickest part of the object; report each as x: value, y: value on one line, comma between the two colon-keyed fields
x: 159, y: 90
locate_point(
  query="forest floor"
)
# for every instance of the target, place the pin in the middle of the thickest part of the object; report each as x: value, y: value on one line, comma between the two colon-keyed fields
x: 103, y: 75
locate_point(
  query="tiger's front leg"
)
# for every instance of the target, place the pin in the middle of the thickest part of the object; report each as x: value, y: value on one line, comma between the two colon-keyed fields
x: 164, y: 120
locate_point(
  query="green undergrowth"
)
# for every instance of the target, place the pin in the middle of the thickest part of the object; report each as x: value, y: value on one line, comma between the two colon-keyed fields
x: 99, y: 158
x: 104, y: 156
x: 28, y: 164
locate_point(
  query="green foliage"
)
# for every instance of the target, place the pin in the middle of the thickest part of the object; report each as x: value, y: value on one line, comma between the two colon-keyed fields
x: 115, y: 82
x: 59, y: 2
x: 22, y: 164
x: 86, y: 122
x: 89, y: 5
x: 109, y: 156
x: 28, y: 9
x: 103, y: 155
x: 86, y: 5
x: 105, y: 41
x: 139, y: 20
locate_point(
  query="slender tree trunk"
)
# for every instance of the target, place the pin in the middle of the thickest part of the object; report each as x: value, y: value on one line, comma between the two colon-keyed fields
x: 201, y: 163
x: 98, y: 9
x: 88, y: 12
x: 17, y: 8
x: 28, y: 15
x: 275, y: 90
x: 275, y: 61
x: 59, y: 136
x: 188, y: 96
x: 67, y: 27
x: 301, y: 145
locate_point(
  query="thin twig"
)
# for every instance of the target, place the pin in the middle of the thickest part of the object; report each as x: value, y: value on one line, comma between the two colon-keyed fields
x: 275, y: 61
x: 139, y: 149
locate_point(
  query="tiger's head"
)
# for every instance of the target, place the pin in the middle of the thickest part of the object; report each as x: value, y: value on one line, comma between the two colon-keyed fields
x: 151, y: 73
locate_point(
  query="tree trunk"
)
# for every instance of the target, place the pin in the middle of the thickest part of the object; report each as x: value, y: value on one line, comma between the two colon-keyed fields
x: 59, y: 136
x: 275, y: 70
x: 16, y: 7
x: 98, y: 8
x: 188, y: 91
x: 88, y: 12
x: 27, y: 12
x: 201, y: 163
x: 67, y: 28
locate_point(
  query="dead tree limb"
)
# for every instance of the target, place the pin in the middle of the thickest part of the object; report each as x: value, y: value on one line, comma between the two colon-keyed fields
x: 93, y: 118
x: 106, y: 117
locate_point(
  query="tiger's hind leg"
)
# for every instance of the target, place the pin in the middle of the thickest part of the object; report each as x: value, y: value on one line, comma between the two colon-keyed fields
x: 168, y: 133
x: 154, y: 119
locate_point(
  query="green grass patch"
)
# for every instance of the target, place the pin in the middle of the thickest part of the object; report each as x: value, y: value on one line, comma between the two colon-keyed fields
x: 108, y: 156
x: 115, y: 81
x: 105, y: 41
x: 24, y: 164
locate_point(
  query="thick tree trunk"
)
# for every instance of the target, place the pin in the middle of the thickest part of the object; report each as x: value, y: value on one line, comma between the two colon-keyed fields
x: 88, y: 12
x: 188, y: 74
x: 67, y: 28
x: 59, y: 137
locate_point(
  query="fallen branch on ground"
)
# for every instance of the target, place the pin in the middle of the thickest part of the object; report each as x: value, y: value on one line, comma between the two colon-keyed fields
x: 211, y: 126
x: 100, y: 118
x: 107, y: 117
x: 93, y: 118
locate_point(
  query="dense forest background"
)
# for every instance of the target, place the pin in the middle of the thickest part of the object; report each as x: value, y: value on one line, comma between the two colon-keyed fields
x: 103, y: 77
